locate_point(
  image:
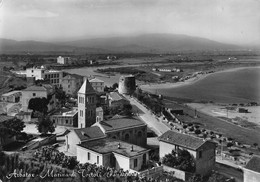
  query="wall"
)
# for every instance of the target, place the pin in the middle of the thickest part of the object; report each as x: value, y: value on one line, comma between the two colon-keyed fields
x: 251, y: 176
x: 133, y: 133
x: 63, y: 120
x: 98, y: 86
x: 178, y: 173
x: 27, y: 95
x: 82, y: 156
x: 122, y: 162
x: 71, y: 140
x: 151, y: 173
x: 140, y: 161
x: 71, y: 85
x: 37, y: 73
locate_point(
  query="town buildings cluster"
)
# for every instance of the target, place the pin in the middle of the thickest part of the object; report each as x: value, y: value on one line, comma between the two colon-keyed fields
x: 119, y: 142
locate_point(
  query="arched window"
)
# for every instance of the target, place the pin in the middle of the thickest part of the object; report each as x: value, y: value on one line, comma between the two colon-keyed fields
x: 127, y: 137
x: 139, y: 134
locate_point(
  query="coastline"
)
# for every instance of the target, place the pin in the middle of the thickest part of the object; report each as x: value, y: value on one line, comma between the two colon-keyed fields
x: 169, y: 85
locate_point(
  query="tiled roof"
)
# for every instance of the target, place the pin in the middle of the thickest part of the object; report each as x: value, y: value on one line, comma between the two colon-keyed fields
x: 116, y: 96
x: 254, y: 164
x: 182, y: 140
x: 120, y: 123
x: 86, y: 88
x: 96, y: 80
x: 5, y: 118
x: 35, y: 88
x: 93, y: 132
x: 109, y: 145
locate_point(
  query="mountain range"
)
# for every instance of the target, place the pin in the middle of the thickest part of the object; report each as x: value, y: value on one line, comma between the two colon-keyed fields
x: 146, y: 43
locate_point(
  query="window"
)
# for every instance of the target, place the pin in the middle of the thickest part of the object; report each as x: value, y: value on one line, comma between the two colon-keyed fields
x: 34, y: 94
x: 53, y: 120
x: 88, y: 156
x: 135, y: 162
x: 200, y: 154
x: 97, y: 159
x: 32, y: 71
x: 68, y: 86
x: 67, y: 121
x: 127, y: 137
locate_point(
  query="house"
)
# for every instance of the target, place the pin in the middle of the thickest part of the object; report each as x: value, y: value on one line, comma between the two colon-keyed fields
x: 71, y: 84
x: 99, y: 114
x: 116, y: 100
x: 78, y: 136
x: 252, y: 170
x: 45, y: 91
x: 65, y: 117
x: 202, y: 151
x: 13, y: 96
x: 97, y: 84
x: 6, y: 139
x: 130, y: 130
x: 63, y: 60
x: 54, y: 76
x: 113, y: 153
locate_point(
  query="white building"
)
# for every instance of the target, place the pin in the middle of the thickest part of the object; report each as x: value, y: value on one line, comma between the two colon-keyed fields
x: 13, y: 96
x: 63, y: 60
x: 97, y: 84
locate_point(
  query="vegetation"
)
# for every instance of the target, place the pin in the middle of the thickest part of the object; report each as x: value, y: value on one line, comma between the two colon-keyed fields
x: 180, y: 159
x: 38, y: 104
x: 45, y: 125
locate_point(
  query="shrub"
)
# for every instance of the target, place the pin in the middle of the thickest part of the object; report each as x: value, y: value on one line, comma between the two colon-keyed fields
x: 197, y: 132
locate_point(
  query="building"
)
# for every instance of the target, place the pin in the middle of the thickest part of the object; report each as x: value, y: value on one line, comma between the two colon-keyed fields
x: 97, y: 84
x: 86, y: 105
x: 71, y: 84
x: 252, y: 170
x: 63, y: 60
x: 54, y: 76
x: 113, y: 153
x: 41, y: 73
x: 65, y: 117
x: 13, y: 96
x: 130, y: 130
x: 202, y: 151
x: 125, y: 129
x: 78, y: 136
x: 45, y: 91
x: 116, y: 100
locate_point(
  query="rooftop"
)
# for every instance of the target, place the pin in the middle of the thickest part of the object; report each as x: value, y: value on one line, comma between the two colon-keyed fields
x: 35, y: 88
x: 254, y: 164
x: 120, y: 123
x: 109, y: 145
x: 5, y: 118
x: 96, y: 80
x: 86, y: 88
x: 73, y: 76
x: 183, y: 140
x: 65, y: 112
x: 11, y: 93
x: 116, y: 96
x: 93, y: 132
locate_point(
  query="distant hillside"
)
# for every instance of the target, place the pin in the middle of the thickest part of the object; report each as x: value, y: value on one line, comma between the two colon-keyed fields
x: 148, y: 43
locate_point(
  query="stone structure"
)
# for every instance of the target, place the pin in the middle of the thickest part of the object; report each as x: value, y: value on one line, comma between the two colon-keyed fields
x: 126, y: 85
x: 202, y: 151
x: 86, y: 105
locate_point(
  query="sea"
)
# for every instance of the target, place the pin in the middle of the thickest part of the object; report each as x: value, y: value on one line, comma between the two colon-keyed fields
x: 234, y: 86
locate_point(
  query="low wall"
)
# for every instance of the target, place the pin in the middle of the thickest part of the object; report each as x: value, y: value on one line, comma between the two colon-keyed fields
x: 151, y: 173
x: 48, y: 140
x: 178, y: 173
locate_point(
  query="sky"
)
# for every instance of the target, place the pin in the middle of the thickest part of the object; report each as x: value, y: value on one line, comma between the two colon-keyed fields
x: 228, y: 21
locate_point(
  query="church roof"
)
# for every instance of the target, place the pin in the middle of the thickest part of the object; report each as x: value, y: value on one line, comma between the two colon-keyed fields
x: 89, y: 133
x: 119, y: 124
x: 86, y: 88
x: 96, y: 80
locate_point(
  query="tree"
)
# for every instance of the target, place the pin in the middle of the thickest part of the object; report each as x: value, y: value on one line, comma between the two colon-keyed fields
x: 38, y: 104
x: 115, y: 86
x: 181, y: 159
x: 61, y: 96
x: 15, y: 125
x: 195, y: 178
x: 197, y: 132
x: 255, y: 145
x: 229, y: 144
x: 45, y: 125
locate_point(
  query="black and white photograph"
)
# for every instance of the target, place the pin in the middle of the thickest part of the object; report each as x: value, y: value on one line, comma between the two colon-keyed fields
x: 129, y: 91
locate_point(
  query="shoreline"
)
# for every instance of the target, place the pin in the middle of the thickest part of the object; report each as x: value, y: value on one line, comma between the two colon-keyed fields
x: 169, y: 85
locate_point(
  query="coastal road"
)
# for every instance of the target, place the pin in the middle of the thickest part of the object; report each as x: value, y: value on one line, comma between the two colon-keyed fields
x: 148, y: 117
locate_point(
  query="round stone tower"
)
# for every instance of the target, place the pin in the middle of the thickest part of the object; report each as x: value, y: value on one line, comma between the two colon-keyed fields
x: 126, y: 85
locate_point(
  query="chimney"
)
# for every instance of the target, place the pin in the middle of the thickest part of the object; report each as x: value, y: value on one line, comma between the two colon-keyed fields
x: 132, y: 148
x: 118, y: 146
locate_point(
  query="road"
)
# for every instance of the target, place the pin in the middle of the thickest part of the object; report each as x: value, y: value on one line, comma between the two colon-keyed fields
x: 146, y: 115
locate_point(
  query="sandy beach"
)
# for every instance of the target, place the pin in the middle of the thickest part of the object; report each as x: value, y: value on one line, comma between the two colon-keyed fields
x: 190, y: 81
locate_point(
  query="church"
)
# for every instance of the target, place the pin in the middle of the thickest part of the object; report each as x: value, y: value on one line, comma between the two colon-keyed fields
x: 90, y: 129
